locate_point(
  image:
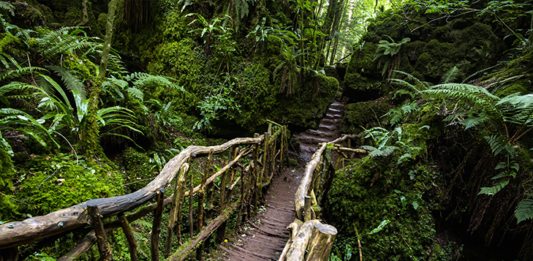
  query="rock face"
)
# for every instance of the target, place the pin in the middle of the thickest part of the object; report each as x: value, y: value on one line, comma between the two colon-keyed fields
x: 432, y: 50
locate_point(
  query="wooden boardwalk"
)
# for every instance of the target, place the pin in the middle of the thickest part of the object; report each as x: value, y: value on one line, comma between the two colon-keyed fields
x: 265, y: 238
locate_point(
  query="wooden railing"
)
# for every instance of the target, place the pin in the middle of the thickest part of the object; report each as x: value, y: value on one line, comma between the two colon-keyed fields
x: 310, y: 239
x: 236, y: 192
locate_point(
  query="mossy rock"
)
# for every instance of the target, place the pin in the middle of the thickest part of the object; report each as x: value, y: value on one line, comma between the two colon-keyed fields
x: 389, y: 204
x: 365, y: 114
x: 52, y: 182
x: 138, y: 169
x: 522, y: 86
x: 308, y: 104
x: 8, y: 206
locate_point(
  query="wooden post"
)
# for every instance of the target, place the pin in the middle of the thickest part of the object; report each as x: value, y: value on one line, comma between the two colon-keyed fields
x: 221, y: 231
x: 254, y: 197
x: 129, y: 236
x: 156, y: 228
x: 299, y: 243
x: 273, y: 158
x: 243, y: 195
x: 321, y: 244
x: 191, y: 217
x: 181, y: 199
x: 232, y: 177
x: 294, y: 230
x: 96, y: 221
x: 10, y: 254
x: 201, y: 196
x: 307, y: 209
x: 265, y: 164
x: 177, y: 201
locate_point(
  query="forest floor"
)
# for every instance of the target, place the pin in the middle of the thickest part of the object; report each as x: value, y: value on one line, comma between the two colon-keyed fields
x: 264, y: 237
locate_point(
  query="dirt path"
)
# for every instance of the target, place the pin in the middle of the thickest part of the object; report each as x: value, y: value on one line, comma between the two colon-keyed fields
x: 265, y: 238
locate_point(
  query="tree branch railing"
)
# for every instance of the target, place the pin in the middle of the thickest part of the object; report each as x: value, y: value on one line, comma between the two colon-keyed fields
x: 235, y: 193
x: 310, y: 239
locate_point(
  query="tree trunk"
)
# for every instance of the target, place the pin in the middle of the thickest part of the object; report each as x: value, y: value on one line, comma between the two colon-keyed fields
x: 330, y: 16
x: 91, y: 132
x: 321, y: 243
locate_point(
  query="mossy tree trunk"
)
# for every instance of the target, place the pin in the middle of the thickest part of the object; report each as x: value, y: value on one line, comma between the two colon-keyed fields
x: 91, y: 131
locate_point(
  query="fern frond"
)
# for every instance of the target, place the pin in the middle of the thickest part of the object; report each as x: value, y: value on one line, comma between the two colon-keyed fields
x: 498, y: 143
x: 524, y: 210
x: 71, y: 82
x: 450, y: 76
x: 135, y: 93
x: 491, y: 191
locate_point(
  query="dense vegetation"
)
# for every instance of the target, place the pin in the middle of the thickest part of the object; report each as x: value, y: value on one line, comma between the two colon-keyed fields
x: 96, y: 96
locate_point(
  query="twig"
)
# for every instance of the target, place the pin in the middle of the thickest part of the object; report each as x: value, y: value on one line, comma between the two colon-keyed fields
x: 77, y: 160
x: 359, y: 243
x: 39, y: 187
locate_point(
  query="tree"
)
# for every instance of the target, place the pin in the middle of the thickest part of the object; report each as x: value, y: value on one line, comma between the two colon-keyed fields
x: 90, y: 139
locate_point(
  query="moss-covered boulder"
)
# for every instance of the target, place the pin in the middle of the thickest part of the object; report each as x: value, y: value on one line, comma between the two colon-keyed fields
x: 365, y: 115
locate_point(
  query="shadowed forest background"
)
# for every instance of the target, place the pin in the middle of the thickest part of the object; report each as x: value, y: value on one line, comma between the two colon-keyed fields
x: 96, y: 96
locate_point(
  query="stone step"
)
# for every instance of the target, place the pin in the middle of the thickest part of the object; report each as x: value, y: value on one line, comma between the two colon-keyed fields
x: 321, y: 133
x: 307, y: 138
x: 334, y: 115
x: 326, y: 127
x: 330, y: 121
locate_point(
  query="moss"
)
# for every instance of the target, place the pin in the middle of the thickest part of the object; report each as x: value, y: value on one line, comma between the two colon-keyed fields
x: 521, y: 86
x: 293, y: 162
x: 309, y: 103
x: 373, y: 189
x: 101, y: 21
x: 364, y: 114
x: 52, y: 182
x: 7, y: 205
x: 138, y: 168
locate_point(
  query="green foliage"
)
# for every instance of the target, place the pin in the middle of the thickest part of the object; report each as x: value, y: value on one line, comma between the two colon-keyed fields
x: 60, y: 113
x: 220, y: 104
x: 384, y: 146
x: 7, y: 205
x: 524, y: 210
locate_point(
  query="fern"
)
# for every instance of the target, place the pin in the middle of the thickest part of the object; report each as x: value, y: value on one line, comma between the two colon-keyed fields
x: 71, y: 82
x: 450, y: 76
x: 491, y: 191
x: 524, y: 210
x: 498, y: 143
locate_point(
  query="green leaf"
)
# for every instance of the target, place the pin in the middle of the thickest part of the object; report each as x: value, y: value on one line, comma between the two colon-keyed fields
x: 524, y: 210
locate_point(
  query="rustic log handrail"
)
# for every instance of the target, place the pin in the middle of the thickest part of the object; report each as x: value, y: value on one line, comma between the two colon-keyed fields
x: 310, y: 239
x: 19, y: 233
